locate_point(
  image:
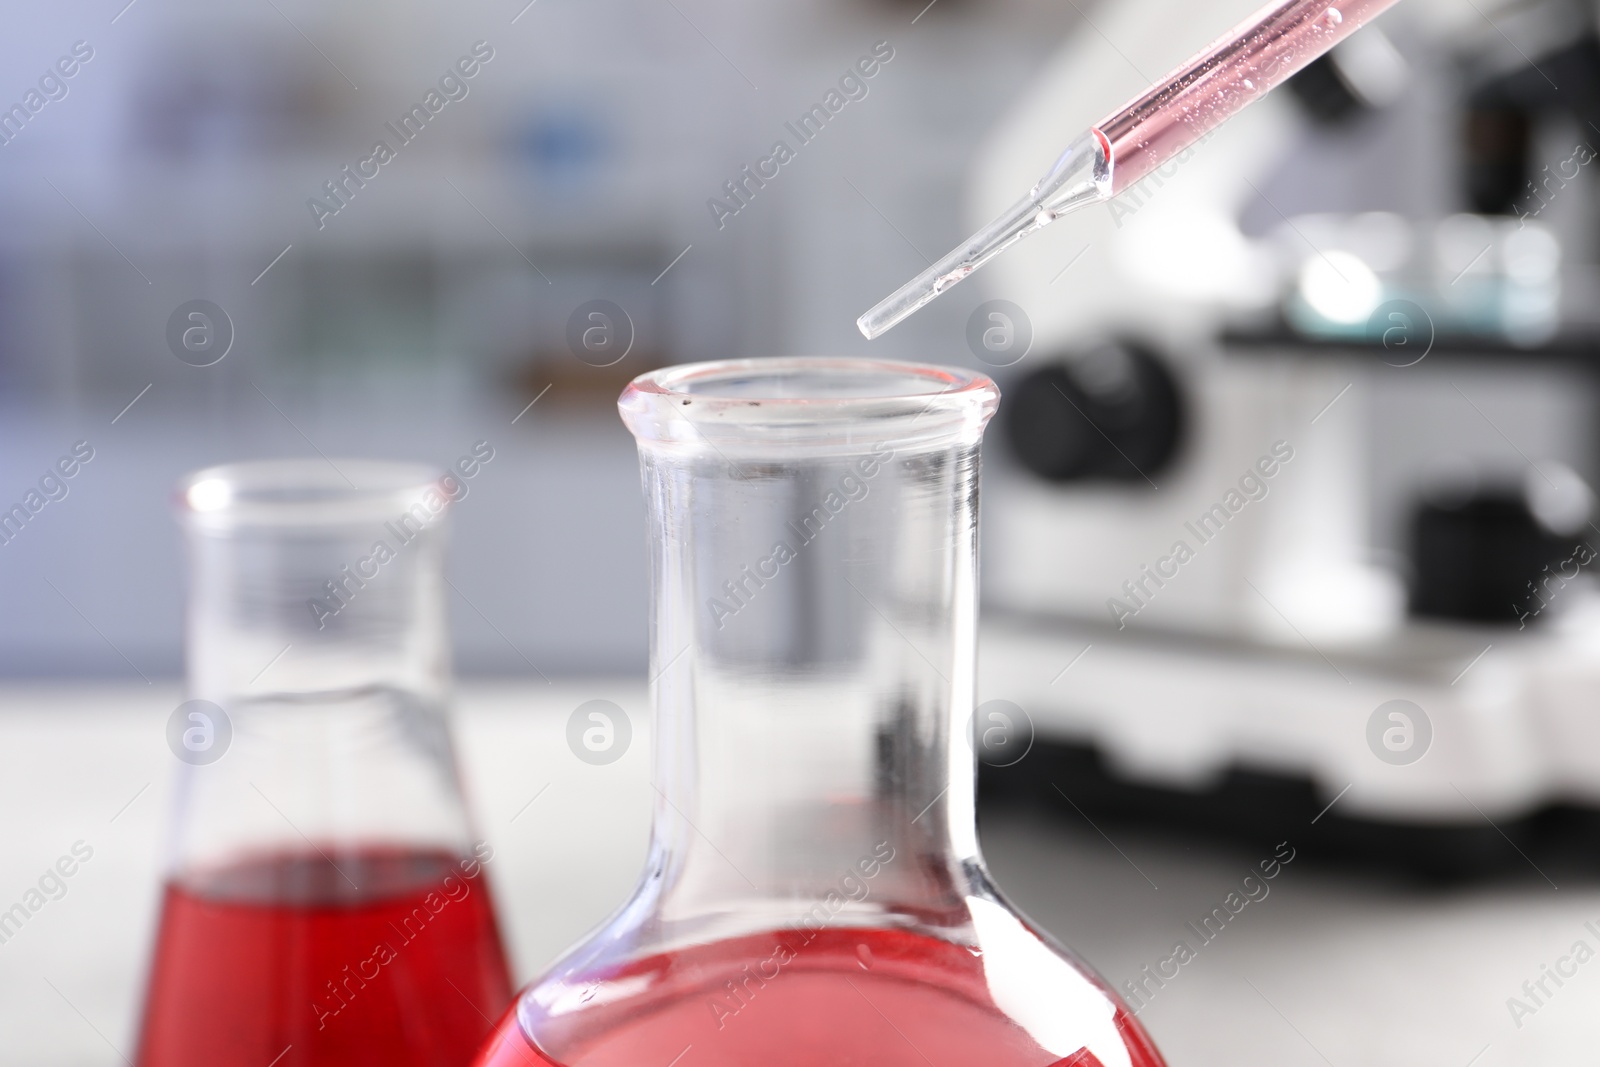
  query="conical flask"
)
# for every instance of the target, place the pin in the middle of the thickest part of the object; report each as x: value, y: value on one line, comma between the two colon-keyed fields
x: 325, y: 901
x: 814, y: 894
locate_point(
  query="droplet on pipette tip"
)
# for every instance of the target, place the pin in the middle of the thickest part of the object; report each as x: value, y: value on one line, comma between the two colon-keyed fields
x: 1331, y: 18
x: 952, y: 278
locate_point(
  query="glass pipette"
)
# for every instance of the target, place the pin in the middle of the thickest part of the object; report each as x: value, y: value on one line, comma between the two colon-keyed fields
x: 1112, y: 155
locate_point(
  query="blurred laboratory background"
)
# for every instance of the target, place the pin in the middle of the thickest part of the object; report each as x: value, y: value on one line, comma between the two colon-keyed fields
x: 1288, y: 509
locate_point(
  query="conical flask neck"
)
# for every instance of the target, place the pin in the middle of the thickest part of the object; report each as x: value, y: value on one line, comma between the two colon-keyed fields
x: 814, y: 594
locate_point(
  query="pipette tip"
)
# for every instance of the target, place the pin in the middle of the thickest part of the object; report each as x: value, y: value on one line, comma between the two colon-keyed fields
x: 1080, y: 176
x: 947, y: 272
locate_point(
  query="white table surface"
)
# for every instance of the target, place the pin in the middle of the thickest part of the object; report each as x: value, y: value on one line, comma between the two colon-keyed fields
x: 1331, y: 970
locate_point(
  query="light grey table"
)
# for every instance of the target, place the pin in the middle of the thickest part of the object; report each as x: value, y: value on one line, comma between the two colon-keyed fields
x: 1338, y: 971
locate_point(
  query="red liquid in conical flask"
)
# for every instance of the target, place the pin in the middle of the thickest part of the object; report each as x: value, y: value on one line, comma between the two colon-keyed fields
x: 371, y: 956
x: 873, y: 998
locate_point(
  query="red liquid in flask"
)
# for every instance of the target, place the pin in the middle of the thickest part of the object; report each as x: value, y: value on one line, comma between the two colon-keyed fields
x: 847, y: 998
x: 370, y: 956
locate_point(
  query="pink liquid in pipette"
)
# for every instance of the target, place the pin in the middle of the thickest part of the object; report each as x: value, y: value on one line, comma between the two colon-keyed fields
x: 1237, y: 69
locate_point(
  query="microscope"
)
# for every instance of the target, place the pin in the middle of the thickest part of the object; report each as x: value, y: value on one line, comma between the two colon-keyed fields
x: 1291, y: 522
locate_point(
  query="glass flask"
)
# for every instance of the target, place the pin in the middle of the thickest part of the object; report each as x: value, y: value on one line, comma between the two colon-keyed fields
x: 325, y: 902
x: 814, y: 893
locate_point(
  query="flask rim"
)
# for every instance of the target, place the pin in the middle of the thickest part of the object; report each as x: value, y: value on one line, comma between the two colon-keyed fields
x: 317, y: 493
x: 807, y: 401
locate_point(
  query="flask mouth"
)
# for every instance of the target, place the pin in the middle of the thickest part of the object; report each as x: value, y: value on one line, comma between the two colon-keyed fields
x: 312, y: 493
x: 815, y: 403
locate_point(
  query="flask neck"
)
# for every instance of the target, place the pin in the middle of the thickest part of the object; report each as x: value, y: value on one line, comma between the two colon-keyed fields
x: 327, y: 608
x: 813, y: 648
x: 317, y: 667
